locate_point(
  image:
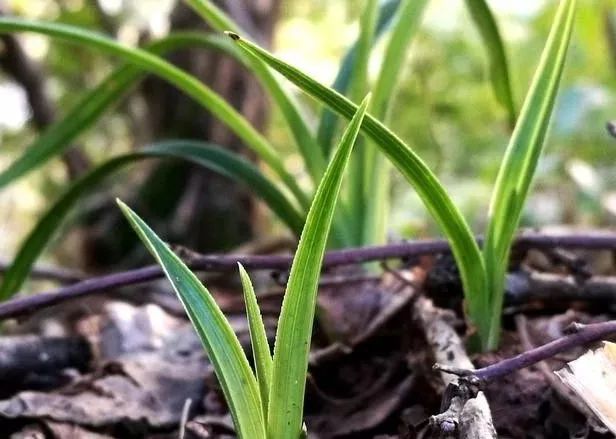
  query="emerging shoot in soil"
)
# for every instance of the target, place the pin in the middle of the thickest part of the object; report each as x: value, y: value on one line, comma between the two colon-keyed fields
x: 268, y: 403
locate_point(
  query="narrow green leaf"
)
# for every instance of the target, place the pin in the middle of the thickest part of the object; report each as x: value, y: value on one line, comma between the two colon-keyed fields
x: 359, y: 86
x: 407, y: 22
x: 431, y: 192
x: 304, y: 139
x: 359, y: 80
x: 55, y: 139
x: 376, y: 168
x: 499, y: 67
x: 298, y: 307
x: 522, y: 155
x: 526, y: 144
x: 328, y: 121
x: 224, y: 350
x: 179, y: 78
x: 203, y: 154
x: 258, y: 338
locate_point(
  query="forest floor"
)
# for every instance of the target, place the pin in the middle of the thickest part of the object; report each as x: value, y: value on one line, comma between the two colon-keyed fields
x: 127, y: 364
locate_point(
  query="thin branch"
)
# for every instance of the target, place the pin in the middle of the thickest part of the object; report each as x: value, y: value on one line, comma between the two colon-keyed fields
x: 524, y: 287
x: 582, y: 335
x: 224, y: 263
x: 560, y: 388
x: 589, y: 240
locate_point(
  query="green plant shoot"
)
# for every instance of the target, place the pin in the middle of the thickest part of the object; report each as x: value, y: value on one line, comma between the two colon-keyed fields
x: 268, y: 403
x: 483, y: 273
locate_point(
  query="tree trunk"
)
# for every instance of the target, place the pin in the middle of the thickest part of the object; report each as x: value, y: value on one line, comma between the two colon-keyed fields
x: 185, y: 203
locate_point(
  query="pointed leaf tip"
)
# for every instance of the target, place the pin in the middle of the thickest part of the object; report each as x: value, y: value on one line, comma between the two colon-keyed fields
x: 121, y: 203
x: 124, y: 208
x: 231, y: 366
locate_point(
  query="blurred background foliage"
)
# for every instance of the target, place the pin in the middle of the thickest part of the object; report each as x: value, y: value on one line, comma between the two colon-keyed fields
x: 444, y: 108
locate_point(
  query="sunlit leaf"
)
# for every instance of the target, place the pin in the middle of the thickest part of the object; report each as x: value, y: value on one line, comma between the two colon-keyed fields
x: 304, y: 139
x: 359, y: 85
x: 377, y: 170
x: 88, y: 109
x: 328, y: 121
x: 516, y: 173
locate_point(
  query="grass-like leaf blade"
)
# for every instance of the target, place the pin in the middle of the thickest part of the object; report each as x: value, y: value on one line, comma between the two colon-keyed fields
x: 298, y: 307
x: 497, y: 57
x: 302, y: 134
x: 88, y: 109
x: 214, y: 16
x: 329, y: 119
x: 224, y: 350
x: 359, y: 85
x: 377, y: 169
x: 610, y: 31
x: 258, y: 339
x: 367, y: 28
x: 407, y: 22
x: 431, y: 192
x: 522, y: 155
x: 200, y: 153
x: 177, y: 77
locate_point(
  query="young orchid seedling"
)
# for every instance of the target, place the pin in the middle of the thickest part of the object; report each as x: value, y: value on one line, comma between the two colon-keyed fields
x: 483, y: 270
x: 361, y: 218
x: 267, y: 403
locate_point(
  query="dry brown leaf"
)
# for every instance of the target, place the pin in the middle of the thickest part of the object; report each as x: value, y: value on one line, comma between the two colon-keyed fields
x: 593, y: 377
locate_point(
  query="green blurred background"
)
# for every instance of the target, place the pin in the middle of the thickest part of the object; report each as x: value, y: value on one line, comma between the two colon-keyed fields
x: 444, y: 108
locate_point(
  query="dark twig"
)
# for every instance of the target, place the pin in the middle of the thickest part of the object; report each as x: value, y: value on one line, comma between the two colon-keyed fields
x: 586, y: 334
x: 27, y: 304
x: 564, y: 392
x: 224, y: 263
x: 25, y: 355
x: 591, y: 240
x: 523, y: 287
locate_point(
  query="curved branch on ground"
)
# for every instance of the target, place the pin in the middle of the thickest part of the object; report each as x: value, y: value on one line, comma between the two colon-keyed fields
x: 222, y: 263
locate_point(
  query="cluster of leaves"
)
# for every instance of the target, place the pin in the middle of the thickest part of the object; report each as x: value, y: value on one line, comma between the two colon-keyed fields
x: 269, y: 402
x: 361, y: 217
x: 482, y: 270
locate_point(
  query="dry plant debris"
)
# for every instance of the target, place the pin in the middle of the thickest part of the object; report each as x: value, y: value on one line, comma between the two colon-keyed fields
x: 593, y: 377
